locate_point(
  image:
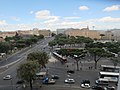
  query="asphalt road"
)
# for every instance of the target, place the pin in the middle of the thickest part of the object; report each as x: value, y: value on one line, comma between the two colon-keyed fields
x: 21, y: 56
x: 53, y: 68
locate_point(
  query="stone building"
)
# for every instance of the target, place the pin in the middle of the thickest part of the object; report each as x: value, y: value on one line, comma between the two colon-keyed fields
x: 84, y: 32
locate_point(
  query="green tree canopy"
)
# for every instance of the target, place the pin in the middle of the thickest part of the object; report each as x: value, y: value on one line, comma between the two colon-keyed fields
x: 40, y: 57
x: 27, y: 71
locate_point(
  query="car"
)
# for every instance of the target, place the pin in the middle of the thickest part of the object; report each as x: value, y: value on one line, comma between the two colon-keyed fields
x: 70, y: 71
x: 48, y: 81
x: 7, y: 77
x: 97, y: 87
x: 55, y: 77
x: 85, y: 84
x: 110, y: 88
x: 20, y: 82
x: 69, y: 81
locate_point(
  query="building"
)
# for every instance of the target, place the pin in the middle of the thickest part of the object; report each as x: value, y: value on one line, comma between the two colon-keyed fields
x: 45, y: 33
x: 26, y: 33
x: 7, y: 34
x: 116, y: 34
x: 84, y: 32
x: 60, y: 31
x: 1, y: 39
x: 109, y: 35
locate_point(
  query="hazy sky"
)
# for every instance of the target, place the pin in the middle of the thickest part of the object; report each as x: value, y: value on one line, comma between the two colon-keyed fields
x: 52, y: 14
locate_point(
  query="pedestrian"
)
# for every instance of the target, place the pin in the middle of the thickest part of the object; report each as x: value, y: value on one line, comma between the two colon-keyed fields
x: 80, y: 68
x: 24, y: 86
x: 89, y: 68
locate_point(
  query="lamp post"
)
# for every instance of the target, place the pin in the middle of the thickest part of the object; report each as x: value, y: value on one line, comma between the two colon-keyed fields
x: 11, y: 83
x: 6, y: 62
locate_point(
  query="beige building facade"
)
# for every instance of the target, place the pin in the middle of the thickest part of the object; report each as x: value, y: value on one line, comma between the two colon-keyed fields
x: 84, y: 32
x: 45, y: 33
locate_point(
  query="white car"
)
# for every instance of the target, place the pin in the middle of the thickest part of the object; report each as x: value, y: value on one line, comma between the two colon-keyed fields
x: 85, y: 84
x: 69, y: 80
x: 7, y: 77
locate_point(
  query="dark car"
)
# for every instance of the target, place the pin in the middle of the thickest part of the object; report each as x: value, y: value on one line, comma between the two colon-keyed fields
x: 96, y: 87
x: 55, y: 77
x: 70, y: 71
x: 20, y: 82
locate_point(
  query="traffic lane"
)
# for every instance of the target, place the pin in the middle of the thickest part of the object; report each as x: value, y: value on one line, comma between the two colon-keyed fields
x: 13, y: 72
x: 11, y: 59
x: 23, y: 51
x: 62, y: 87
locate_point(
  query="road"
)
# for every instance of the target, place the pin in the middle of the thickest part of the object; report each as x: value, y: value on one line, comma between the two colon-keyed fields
x: 54, y: 67
x: 21, y: 57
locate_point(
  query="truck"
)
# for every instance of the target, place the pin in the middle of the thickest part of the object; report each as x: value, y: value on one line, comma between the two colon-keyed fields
x: 48, y: 81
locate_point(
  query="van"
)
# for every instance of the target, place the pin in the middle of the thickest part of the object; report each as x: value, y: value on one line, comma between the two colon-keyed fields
x: 40, y: 75
x: 102, y: 81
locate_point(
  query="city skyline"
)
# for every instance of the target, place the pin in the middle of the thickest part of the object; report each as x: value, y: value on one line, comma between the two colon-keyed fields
x: 45, y: 14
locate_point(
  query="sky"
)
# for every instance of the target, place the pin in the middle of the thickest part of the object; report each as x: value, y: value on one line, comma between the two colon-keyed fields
x: 57, y: 14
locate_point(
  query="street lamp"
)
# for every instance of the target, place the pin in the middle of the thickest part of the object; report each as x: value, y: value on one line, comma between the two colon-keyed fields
x: 6, y: 62
x: 11, y: 83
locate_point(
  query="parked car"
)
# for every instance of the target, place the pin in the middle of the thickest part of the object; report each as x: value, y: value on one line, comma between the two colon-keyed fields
x: 85, y: 84
x: 48, y: 81
x: 55, y: 77
x: 97, y: 87
x: 70, y: 71
x: 110, y: 88
x: 7, y: 77
x: 69, y: 81
x: 102, y: 81
x: 20, y: 82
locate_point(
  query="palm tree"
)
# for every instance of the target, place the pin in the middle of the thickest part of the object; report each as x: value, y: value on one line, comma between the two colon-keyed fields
x: 40, y: 57
x: 27, y: 71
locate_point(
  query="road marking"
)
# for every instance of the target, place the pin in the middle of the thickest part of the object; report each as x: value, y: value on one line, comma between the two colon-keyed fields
x: 19, y: 60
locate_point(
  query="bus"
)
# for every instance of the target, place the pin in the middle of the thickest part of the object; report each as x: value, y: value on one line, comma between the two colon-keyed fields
x: 59, y: 57
x: 109, y: 68
x: 111, y: 76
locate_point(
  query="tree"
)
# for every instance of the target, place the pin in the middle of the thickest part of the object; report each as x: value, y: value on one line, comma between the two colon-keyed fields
x: 52, y: 43
x: 78, y: 58
x: 102, y: 35
x: 98, y: 53
x: 27, y: 71
x: 77, y: 54
x: 5, y: 47
x: 53, y: 34
x: 40, y: 57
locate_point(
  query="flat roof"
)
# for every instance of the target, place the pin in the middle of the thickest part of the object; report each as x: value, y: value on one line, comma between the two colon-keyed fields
x: 41, y: 73
x: 110, y: 66
x: 109, y: 73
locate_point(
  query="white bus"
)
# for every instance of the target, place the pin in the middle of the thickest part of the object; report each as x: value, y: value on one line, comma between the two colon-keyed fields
x: 109, y: 68
x: 111, y: 76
